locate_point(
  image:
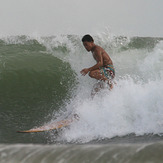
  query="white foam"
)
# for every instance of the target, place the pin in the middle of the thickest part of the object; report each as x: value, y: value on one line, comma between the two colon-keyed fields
x: 129, y: 108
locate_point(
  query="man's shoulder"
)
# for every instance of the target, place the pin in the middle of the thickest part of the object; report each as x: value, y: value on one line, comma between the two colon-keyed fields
x: 98, y: 49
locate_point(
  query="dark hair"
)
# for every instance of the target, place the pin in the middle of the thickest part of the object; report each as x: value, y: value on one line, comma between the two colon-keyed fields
x: 87, y: 38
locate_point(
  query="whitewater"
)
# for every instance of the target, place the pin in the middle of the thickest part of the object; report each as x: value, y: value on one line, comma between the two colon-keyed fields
x: 40, y: 83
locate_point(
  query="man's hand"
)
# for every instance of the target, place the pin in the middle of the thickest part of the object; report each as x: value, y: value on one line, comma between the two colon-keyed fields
x: 84, y: 71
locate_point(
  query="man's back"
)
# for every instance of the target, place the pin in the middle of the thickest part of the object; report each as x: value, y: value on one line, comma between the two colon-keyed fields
x: 106, y: 59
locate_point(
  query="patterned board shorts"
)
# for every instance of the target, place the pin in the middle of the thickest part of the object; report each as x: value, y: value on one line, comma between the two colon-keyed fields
x: 108, y: 71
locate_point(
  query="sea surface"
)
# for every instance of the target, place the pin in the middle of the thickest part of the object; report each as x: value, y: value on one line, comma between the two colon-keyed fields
x: 40, y: 83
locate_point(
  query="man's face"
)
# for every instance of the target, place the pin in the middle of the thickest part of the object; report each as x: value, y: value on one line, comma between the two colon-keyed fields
x: 87, y: 45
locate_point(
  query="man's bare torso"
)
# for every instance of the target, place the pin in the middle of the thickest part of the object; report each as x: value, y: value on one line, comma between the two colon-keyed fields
x: 105, y: 57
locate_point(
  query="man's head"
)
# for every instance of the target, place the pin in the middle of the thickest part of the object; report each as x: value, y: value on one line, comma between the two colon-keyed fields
x: 88, y: 42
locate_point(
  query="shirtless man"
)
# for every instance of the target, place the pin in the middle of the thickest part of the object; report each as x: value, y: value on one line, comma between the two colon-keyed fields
x: 103, y: 69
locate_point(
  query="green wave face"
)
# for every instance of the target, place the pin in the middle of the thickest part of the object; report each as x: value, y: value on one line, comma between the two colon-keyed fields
x: 33, y: 83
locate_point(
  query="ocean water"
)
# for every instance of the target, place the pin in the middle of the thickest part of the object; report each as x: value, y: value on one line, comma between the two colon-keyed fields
x: 40, y: 83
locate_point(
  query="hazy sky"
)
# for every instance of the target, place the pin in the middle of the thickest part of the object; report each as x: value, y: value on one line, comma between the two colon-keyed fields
x: 53, y: 17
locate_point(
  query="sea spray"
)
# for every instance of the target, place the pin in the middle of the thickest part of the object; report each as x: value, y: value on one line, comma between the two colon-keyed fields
x: 129, y: 108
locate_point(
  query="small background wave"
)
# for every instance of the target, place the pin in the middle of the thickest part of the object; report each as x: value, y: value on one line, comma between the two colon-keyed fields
x: 134, y: 153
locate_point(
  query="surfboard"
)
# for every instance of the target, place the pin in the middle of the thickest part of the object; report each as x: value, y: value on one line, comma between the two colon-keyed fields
x: 52, y: 126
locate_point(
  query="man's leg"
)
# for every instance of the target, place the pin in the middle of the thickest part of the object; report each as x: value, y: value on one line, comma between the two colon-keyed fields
x: 96, y: 74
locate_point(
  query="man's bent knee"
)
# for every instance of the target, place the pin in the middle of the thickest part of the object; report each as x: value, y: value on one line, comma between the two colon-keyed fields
x: 92, y: 74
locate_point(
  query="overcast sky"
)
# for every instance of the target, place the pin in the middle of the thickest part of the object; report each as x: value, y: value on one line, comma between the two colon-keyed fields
x: 54, y: 17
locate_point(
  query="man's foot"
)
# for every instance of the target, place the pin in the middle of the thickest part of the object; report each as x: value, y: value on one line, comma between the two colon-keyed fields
x: 110, y: 85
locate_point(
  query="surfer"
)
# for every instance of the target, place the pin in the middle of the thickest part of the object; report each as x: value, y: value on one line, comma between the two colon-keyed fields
x: 103, y: 69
